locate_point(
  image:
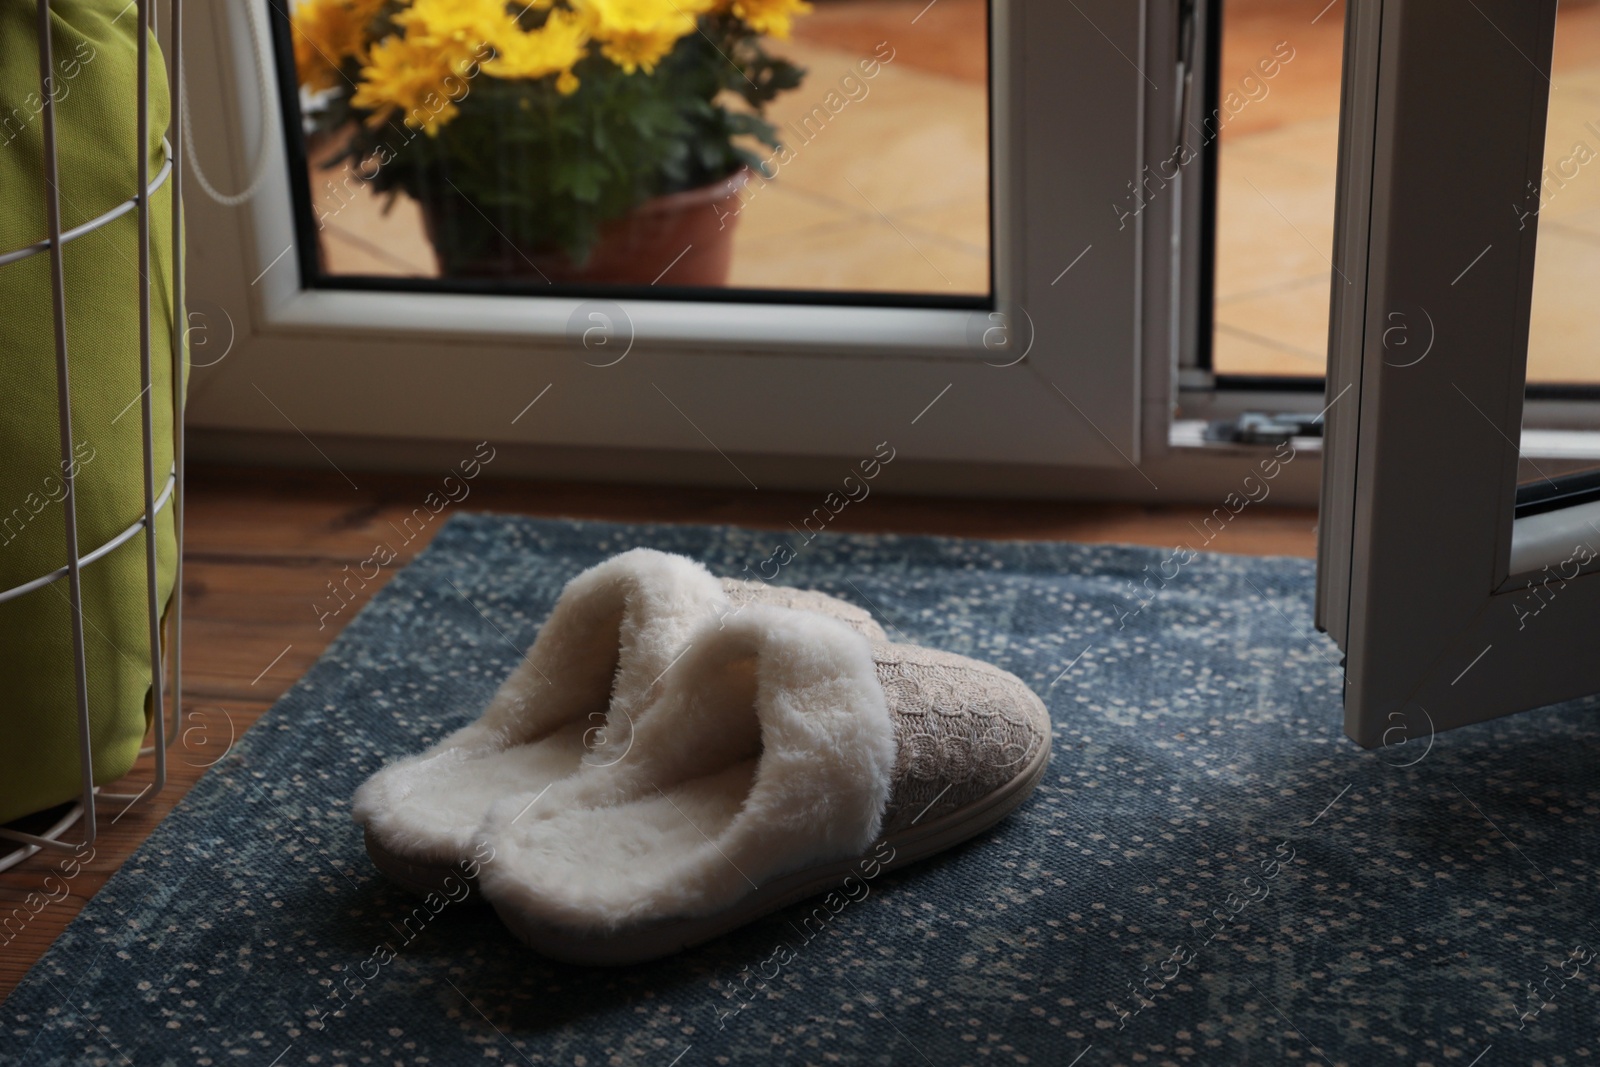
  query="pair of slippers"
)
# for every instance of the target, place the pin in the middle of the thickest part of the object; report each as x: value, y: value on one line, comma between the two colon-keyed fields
x: 679, y: 755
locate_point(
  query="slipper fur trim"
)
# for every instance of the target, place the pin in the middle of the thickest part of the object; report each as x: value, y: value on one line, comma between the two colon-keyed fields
x: 613, y: 632
x: 769, y: 749
x: 745, y: 592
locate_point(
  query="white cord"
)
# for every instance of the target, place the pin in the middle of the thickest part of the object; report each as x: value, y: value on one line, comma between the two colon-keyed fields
x: 269, y: 124
x: 24, y: 851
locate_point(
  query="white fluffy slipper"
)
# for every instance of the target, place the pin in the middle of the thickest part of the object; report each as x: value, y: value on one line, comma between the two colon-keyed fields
x: 576, y: 697
x: 785, y: 756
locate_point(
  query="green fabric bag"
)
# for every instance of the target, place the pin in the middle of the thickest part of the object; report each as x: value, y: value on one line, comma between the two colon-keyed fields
x: 94, y: 86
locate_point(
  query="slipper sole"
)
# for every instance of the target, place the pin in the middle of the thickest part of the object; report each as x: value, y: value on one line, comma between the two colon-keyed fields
x: 640, y: 944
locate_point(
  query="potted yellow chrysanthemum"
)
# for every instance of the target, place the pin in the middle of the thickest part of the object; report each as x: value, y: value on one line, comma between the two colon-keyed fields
x: 573, y: 140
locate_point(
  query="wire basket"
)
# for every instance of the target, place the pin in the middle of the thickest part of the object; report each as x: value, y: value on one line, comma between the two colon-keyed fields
x: 167, y: 492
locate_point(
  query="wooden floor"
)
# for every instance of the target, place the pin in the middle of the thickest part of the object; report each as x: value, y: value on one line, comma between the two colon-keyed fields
x: 262, y: 546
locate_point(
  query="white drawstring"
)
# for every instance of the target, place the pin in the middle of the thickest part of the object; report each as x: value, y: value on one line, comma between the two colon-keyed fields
x: 269, y: 123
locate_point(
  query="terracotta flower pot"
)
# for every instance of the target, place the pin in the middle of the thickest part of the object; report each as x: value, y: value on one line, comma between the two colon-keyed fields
x: 683, y: 238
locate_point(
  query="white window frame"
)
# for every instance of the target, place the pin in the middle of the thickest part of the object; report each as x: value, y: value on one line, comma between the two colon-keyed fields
x: 1075, y: 400
x: 1437, y: 593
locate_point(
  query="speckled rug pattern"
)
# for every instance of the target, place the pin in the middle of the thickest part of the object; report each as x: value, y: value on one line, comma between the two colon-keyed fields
x: 1210, y: 873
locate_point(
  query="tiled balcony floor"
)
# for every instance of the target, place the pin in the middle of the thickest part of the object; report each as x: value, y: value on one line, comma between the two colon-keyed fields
x: 1276, y: 196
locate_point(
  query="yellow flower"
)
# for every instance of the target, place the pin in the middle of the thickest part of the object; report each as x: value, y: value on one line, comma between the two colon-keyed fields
x: 771, y: 17
x: 458, y: 26
x: 422, y: 71
x: 636, y: 34
x: 407, y: 76
x: 326, y: 33
x: 553, y: 48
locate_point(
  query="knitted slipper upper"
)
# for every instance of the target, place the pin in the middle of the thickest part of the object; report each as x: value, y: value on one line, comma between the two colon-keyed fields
x: 962, y: 729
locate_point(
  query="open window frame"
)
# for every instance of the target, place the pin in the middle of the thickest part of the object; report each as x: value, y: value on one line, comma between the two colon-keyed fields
x: 1451, y: 609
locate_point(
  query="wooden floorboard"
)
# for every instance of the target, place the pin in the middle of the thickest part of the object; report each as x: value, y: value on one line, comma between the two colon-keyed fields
x: 262, y: 546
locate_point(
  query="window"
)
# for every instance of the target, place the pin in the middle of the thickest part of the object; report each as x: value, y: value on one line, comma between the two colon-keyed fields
x: 1057, y: 372
x: 1453, y: 602
x: 1564, y: 334
x: 1274, y: 121
x: 1278, y: 96
x: 762, y: 150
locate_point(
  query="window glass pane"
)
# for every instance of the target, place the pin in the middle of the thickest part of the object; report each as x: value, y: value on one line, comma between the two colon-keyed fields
x: 1564, y: 335
x: 1563, y: 331
x: 836, y: 150
x: 1275, y: 124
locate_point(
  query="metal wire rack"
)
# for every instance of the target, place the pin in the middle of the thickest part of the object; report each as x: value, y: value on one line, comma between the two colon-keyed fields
x: 168, y: 495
